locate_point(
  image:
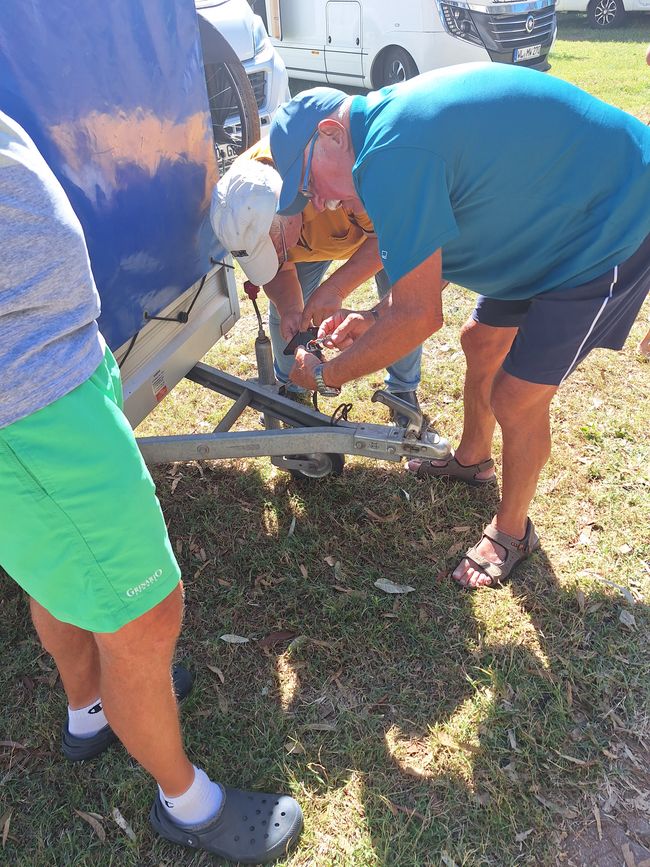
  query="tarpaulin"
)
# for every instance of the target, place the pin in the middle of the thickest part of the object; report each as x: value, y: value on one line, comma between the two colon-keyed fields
x: 114, y: 95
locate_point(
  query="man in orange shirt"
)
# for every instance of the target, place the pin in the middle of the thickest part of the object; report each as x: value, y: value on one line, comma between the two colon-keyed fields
x: 289, y: 257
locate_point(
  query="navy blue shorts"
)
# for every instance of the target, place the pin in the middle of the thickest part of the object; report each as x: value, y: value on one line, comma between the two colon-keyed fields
x: 558, y: 329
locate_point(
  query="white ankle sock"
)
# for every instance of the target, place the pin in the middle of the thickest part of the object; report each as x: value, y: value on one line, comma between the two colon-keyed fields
x: 195, y: 806
x: 87, y: 721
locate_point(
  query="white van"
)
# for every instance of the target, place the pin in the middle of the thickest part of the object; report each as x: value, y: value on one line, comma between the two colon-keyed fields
x: 371, y: 43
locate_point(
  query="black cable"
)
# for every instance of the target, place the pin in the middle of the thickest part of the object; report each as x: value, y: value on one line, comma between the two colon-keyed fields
x: 130, y: 347
x: 340, y: 413
x: 184, y: 315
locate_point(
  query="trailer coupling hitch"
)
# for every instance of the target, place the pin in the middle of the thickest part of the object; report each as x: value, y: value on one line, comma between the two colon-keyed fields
x: 417, y: 423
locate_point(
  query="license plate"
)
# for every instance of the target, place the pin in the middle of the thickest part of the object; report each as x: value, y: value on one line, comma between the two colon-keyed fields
x: 527, y: 52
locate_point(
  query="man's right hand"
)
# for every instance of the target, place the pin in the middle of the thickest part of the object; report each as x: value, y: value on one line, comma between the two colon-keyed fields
x: 344, y: 327
x: 325, y: 301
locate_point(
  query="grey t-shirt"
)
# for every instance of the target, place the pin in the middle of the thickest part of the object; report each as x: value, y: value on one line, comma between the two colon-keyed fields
x: 49, y: 341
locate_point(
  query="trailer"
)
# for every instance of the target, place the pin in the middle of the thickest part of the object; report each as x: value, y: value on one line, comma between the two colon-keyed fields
x: 115, y: 95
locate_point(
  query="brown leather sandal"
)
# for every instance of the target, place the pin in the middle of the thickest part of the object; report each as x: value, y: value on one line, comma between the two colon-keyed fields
x: 517, y: 550
x: 455, y: 471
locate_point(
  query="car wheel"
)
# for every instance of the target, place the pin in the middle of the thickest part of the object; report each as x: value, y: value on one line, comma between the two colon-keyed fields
x: 233, y: 107
x: 396, y: 65
x: 605, y: 13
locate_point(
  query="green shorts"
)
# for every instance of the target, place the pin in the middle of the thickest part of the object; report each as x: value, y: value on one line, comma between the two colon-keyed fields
x: 81, y: 529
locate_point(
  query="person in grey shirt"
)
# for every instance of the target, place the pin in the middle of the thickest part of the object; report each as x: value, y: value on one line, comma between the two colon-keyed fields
x: 104, y: 585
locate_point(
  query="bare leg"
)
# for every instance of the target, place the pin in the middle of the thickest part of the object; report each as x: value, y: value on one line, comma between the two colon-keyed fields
x: 131, y: 670
x: 522, y: 411
x: 137, y: 694
x: 75, y: 653
x: 485, y: 347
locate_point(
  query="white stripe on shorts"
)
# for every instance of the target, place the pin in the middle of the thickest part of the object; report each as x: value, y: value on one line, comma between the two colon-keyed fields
x: 592, y: 326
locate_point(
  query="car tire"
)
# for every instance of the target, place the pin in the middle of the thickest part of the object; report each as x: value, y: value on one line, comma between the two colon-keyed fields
x: 603, y: 14
x: 395, y: 65
x: 233, y: 107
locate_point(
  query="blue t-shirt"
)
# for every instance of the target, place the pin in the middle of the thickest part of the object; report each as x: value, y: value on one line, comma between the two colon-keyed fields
x: 527, y: 183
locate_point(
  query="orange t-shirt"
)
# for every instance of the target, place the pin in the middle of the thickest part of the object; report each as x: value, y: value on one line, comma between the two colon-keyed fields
x: 324, y: 234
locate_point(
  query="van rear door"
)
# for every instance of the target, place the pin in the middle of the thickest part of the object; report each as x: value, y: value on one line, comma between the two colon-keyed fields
x: 343, y: 45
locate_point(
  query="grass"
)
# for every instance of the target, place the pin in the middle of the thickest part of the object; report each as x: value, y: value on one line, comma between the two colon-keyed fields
x: 439, y: 728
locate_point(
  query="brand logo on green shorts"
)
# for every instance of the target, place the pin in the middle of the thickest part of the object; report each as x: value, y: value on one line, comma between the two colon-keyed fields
x: 144, y: 585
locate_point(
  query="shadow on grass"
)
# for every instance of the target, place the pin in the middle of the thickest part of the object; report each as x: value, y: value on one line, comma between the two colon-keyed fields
x: 412, y: 728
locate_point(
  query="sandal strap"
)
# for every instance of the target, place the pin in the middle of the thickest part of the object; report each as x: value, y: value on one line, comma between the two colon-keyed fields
x: 455, y: 470
x: 511, y: 543
x: 492, y: 570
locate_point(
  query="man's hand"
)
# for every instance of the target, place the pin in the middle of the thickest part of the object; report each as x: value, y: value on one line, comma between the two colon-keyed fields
x: 325, y: 301
x: 302, y: 372
x: 342, y: 329
x: 290, y: 323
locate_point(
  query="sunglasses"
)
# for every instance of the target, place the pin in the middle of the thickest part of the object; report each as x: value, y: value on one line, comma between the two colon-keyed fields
x: 304, y: 186
x: 285, y: 254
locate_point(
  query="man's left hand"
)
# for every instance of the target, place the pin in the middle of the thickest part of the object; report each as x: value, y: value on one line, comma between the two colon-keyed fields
x: 302, y: 372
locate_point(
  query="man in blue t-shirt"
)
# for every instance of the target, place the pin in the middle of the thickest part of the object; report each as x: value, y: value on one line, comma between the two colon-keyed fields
x: 515, y: 185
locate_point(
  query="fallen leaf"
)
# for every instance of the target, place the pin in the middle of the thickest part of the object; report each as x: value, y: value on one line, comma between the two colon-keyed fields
x: 222, y: 703
x: 630, y: 860
x: 277, y: 638
x: 121, y: 822
x: 5, y: 821
x: 448, y: 741
x: 338, y: 571
x: 580, y: 597
x: 303, y: 571
x: 234, y: 639
x: 625, y: 549
x: 292, y: 526
x: 460, y: 529
x: 484, y: 799
x: 13, y: 745
x: 94, y: 823
x: 218, y: 672
x: 447, y: 860
x: 318, y: 727
x: 519, y: 838
x: 329, y: 560
x: 406, y: 495
x: 444, y: 347
x: 627, y: 619
x: 565, y: 812
x: 456, y: 548
x: 598, y: 822
x: 585, y: 536
x: 294, y: 747
x: 512, y: 739
x: 396, y: 808
x: 382, y: 519
x: 390, y: 587
x: 572, y: 759
x: 175, y: 483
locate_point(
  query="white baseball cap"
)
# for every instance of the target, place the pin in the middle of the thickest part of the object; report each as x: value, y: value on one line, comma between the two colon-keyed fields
x: 242, y: 210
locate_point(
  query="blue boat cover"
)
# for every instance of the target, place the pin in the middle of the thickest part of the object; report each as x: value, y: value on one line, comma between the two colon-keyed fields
x: 114, y: 95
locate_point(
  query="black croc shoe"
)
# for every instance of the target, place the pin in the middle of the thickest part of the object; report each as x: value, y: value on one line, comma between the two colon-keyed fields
x: 250, y: 827
x: 77, y: 749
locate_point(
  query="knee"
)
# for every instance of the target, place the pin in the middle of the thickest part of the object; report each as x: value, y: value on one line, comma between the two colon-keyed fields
x: 156, y: 631
x: 470, y: 338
